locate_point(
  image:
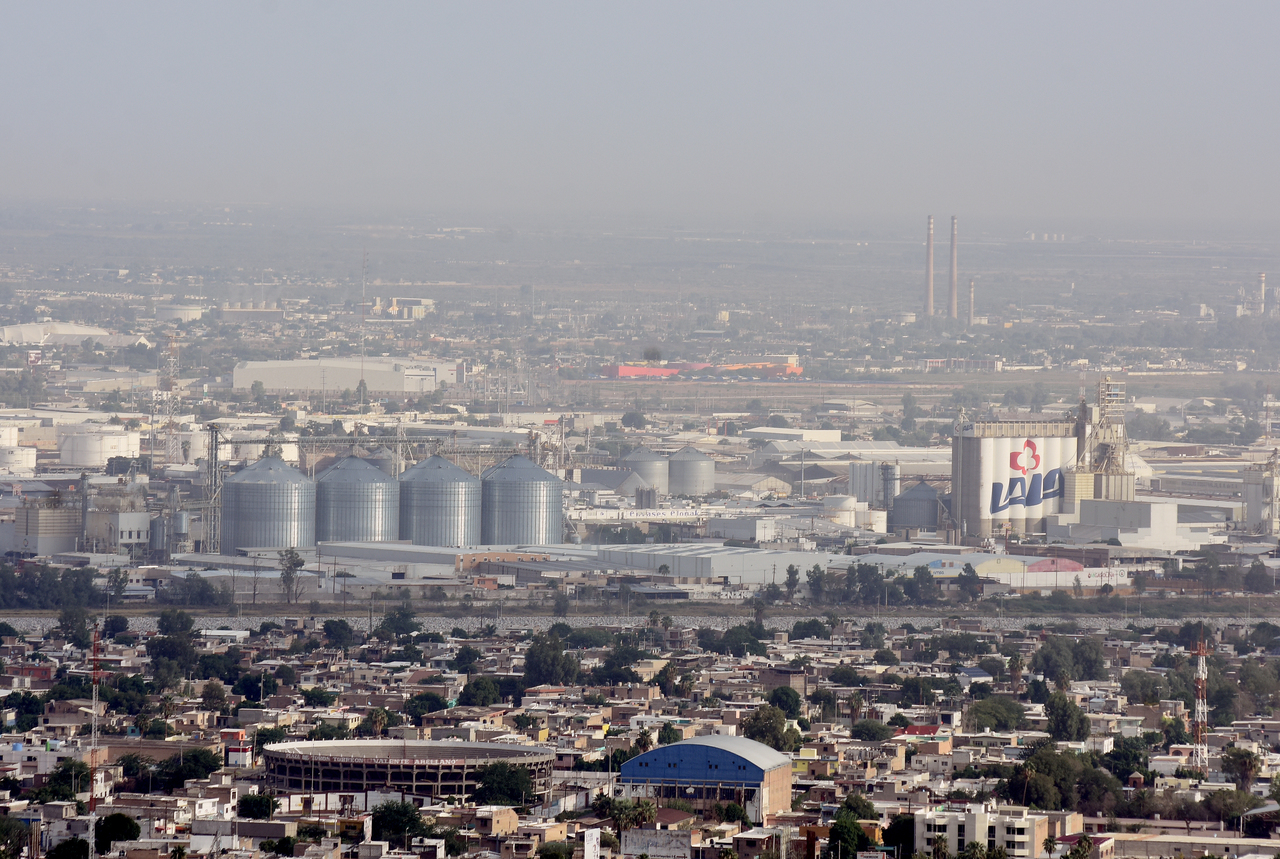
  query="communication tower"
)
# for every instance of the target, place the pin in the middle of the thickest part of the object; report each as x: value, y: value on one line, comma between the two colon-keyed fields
x: 169, y: 390
x: 1200, y: 719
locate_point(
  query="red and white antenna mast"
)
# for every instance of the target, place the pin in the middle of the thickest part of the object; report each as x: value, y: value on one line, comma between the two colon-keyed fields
x: 1200, y: 719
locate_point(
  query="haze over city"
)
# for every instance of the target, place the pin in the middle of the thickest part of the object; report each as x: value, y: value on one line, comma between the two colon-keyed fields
x: 639, y: 431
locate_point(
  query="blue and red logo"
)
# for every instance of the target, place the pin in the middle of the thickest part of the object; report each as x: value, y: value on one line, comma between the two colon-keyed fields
x: 1027, y: 486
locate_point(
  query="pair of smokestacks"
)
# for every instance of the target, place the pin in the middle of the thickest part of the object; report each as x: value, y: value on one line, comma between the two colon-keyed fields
x: 953, y: 295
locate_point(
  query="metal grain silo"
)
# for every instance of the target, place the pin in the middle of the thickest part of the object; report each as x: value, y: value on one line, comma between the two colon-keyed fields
x: 439, y: 504
x: 691, y: 473
x: 652, y: 467
x: 268, y: 504
x: 917, y: 507
x: 356, y: 500
x: 521, y: 504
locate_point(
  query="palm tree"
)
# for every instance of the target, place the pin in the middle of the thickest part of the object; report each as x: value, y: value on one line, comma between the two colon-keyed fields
x: 1050, y: 844
x: 644, y: 740
x: 728, y: 853
x: 1015, y: 671
x: 178, y: 852
x: 646, y: 812
x: 940, y: 848
x: 378, y: 721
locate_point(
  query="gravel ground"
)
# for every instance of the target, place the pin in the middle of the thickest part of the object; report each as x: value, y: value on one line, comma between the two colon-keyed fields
x: 41, y: 624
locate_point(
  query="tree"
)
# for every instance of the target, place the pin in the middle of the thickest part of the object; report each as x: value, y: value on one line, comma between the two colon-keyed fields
x: 397, y: 820
x: 870, y: 730
x: 940, y: 847
x: 114, y: 625
x: 266, y: 736
x: 185, y: 766
x: 922, y: 587
x: 502, y: 783
x: 1050, y: 844
x: 14, y: 836
x: 1258, y: 579
x: 399, y: 623
x: 318, y: 697
x: 644, y: 741
x: 213, y: 696
x: 667, y: 734
x: 545, y: 662
x: 970, y: 584
x: 113, y: 828
x: 1241, y: 766
x: 72, y: 848
x: 793, y: 580
x: 768, y: 725
x: 996, y: 714
x: 560, y: 604
x: 257, y: 806
x: 339, y: 633
x: 634, y: 420
x: 1066, y: 720
x: 817, y: 578
x: 290, y: 564
x: 787, y: 700
x: 480, y: 692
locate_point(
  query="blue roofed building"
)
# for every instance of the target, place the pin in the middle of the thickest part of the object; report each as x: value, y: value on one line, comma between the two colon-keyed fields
x: 712, y: 769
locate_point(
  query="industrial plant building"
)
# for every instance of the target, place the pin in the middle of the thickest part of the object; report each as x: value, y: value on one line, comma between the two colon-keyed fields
x: 381, y: 376
x: 710, y: 770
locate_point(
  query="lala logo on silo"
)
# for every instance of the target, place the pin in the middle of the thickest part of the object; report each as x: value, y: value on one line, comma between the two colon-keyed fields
x: 1021, y: 491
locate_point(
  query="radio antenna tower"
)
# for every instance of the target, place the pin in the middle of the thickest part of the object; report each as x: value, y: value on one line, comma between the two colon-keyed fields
x: 364, y: 309
x: 1200, y: 720
x: 169, y: 385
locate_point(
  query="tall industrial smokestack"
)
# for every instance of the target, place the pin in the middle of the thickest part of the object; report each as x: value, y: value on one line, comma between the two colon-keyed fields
x: 952, y: 296
x: 970, y: 324
x: 928, y: 271
x: 1262, y: 291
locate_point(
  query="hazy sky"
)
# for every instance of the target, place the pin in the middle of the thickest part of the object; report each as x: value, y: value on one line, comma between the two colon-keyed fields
x: 809, y: 110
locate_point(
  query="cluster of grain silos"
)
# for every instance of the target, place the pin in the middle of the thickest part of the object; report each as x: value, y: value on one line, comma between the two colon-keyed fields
x: 434, y: 503
x: 686, y: 472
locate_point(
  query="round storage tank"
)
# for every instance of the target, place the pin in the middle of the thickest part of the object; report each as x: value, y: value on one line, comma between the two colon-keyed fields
x: 521, y: 504
x: 268, y: 505
x: 915, y: 508
x: 356, y: 501
x: 650, y: 466
x: 17, y: 458
x: 439, y: 504
x: 691, y: 473
x: 159, y: 540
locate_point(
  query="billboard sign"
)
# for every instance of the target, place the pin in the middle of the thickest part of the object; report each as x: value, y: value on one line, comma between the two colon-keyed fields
x: 658, y: 843
x: 1022, y: 477
x: 591, y: 844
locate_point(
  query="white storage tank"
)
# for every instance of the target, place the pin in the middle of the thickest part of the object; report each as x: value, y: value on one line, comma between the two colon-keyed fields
x: 652, y: 468
x: 93, y: 449
x: 17, y: 458
x: 691, y: 473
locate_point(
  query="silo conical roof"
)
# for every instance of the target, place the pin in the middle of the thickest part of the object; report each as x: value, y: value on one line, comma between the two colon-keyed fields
x: 518, y: 469
x: 353, y: 469
x: 268, y: 470
x: 688, y: 454
x: 437, y: 469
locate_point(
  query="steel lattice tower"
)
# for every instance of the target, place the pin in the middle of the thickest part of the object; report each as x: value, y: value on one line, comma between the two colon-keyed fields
x: 169, y: 385
x: 1200, y: 720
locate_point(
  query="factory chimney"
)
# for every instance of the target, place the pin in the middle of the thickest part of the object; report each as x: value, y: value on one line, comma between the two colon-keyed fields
x: 952, y: 295
x: 1262, y: 293
x: 970, y: 324
x: 928, y: 271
